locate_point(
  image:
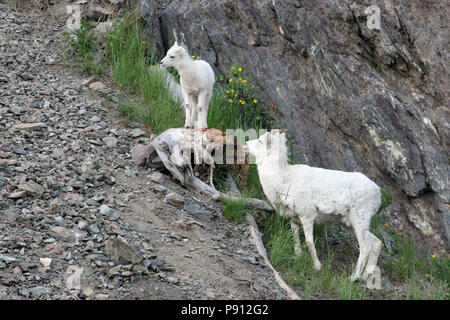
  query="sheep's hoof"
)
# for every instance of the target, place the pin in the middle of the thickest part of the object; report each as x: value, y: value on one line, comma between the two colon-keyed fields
x: 354, y: 278
x: 370, y: 270
x: 317, y: 266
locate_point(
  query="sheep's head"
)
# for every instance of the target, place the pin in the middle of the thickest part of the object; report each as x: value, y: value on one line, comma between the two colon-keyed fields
x: 270, y: 145
x: 174, y: 56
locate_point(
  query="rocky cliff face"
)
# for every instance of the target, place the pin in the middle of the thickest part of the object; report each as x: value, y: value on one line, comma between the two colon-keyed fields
x: 352, y: 98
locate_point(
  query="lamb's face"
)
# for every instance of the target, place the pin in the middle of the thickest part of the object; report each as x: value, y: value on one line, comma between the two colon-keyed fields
x: 174, y: 55
x: 270, y: 144
x: 258, y: 147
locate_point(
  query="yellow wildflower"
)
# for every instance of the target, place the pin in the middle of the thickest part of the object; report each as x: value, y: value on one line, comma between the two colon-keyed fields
x: 242, y: 102
x: 257, y: 118
x: 240, y: 69
x: 193, y: 57
x: 433, y: 256
x: 232, y: 90
x: 231, y: 80
x: 385, y: 224
x: 228, y: 91
x: 244, y: 81
x: 255, y: 101
x: 230, y: 100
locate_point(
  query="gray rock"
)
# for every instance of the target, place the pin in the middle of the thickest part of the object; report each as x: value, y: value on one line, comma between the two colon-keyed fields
x: 17, y: 194
x: 82, y: 225
x: 109, y: 212
x: 19, y: 151
x: 157, y: 177
x: 143, y: 154
x: 46, y: 262
x: 7, y: 259
x: 137, y: 133
x: 93, y: 229
x: 199, y: 211
x: 174, y: 199
x: 121, y: 252
x: 130, y: 173
x: 139, y: 269
x: 29, y: 126
x: 160, y: 188
x: 37, y: 292
x: 89, y: 81
x: 113, y: 271
x: 110, y: 141
x: 97, y: 86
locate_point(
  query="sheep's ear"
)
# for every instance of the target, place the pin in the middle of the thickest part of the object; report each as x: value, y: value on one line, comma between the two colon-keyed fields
x: 283, y: 138
x: 183, y: 41
x: 175, y: 36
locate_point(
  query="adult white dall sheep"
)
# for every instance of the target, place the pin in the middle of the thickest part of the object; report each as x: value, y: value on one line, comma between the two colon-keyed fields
x: 309, y: 195
x: 197, y: 82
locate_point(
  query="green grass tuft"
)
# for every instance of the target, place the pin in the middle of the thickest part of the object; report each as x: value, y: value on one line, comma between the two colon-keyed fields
x: 235, y: 210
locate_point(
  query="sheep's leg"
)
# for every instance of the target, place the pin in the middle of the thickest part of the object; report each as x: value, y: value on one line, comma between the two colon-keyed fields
x: 194, y: 114
x: 187, y: 107
x: 375, y: 249
x: 297, y: 248
x: 308, y: 230
x: 364, y: 250
x: 203, y: 103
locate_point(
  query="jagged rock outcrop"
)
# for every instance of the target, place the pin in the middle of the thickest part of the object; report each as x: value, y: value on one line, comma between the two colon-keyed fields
x: 352, y: 98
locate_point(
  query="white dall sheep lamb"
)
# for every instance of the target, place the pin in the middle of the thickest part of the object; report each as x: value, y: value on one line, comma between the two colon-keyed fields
x: 197, y: 82
x: 311, y: 195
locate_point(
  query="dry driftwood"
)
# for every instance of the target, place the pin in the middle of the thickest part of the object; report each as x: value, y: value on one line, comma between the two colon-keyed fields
x: 255, y: 238
x: 168, y: 147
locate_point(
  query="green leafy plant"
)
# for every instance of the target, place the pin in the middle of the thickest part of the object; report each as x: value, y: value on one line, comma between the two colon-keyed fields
x: 83, y: 47
x: 241, y: 95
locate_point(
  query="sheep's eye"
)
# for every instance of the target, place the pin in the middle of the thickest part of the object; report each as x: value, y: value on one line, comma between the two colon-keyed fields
x: 172, y: 57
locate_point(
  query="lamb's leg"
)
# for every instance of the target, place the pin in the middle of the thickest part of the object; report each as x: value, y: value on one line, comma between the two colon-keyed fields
x: 375, y: 249
x: 203, y: 103
x: 187, y: 107
x: 364, y: 250
x: 194, y: 114
x: 297, y: 248
x: 308, y: 230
